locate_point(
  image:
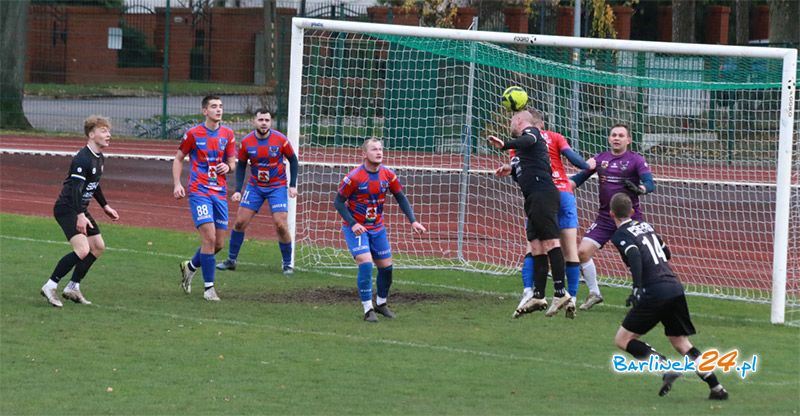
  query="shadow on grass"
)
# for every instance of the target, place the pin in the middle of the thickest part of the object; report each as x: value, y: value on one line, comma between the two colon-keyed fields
x: 332, y: 295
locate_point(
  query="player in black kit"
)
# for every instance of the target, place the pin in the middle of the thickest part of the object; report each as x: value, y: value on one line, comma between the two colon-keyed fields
x: 657, y: 296
x: 542, y: 200
x: 81, y: 185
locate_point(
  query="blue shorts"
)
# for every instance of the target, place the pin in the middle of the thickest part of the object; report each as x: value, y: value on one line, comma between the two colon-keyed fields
x: 568, y: 211
x: 254, y: 196
x: 374, y: 242
x: 207, y: 209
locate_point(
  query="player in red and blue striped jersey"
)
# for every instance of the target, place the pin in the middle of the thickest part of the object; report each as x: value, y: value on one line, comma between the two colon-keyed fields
x: 210, y: 147
x: 265, y: 149
x: 360, y: 201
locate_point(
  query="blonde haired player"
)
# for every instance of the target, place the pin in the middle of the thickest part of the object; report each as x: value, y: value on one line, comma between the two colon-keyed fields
x: 71, y: 212
x: 360, y: 201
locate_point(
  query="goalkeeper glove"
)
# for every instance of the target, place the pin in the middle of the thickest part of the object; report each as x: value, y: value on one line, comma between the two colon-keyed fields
x: 635, y: 297
x: 636, y: 189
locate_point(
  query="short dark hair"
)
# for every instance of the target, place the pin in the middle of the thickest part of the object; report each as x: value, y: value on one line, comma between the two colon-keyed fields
x: 263, y: 110
x: 208, y: 98
x: 623, y: 125
x: 621, y: 205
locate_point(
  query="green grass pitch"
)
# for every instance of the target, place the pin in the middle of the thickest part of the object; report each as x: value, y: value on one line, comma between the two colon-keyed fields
x: 278, y: 345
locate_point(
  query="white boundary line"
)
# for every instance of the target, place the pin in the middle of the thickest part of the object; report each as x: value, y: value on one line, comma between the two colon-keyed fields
x: 510, y: 295
x: 65, y: 153
x: 489, y: 172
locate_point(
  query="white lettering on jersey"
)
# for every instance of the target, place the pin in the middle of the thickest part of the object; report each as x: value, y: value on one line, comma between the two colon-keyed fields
x: 640, y: 228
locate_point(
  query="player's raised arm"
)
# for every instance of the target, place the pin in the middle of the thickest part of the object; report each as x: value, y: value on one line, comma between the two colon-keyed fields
x: 579, y: 178
x: 576, y: 159
x: 503, y: 171
x: 524, y: 141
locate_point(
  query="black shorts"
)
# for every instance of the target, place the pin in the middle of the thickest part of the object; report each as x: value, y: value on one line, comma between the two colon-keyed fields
x: 68, y: 220
x: 541, y: 208
x: 673, y: 313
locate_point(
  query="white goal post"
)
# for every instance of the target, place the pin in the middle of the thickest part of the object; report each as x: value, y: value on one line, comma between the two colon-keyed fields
x: 340, y: 91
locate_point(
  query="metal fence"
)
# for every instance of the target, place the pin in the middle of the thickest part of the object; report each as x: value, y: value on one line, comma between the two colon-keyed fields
x: 137, y: 53
x: 84, y: 60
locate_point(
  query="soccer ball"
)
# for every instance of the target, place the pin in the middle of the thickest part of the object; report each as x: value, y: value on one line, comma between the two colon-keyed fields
x: 514, y: 99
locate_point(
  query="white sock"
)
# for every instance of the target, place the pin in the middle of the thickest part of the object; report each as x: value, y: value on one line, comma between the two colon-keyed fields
x: 208, y: 284
x: 50, y: 284
x: 590, y: 275
x: 73, y: 286
x: 527, y: 291
x: 367, y: 304
x: 380, y: 301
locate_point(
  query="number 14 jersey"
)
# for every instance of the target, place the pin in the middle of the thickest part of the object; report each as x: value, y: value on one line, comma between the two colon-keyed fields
x: 658, y: 279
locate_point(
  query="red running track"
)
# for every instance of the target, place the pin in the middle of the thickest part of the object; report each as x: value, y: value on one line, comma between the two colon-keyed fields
x: 142, y: 191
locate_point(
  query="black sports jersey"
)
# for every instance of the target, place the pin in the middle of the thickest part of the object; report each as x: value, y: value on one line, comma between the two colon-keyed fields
x: 532, y: 167
x: 638, y: 239
x: 83, y: 181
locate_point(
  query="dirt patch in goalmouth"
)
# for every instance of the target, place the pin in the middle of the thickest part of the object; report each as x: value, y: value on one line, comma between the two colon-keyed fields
x: 330, y: 295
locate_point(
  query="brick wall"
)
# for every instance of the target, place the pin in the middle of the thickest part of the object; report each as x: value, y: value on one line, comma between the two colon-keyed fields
x: 47, y: 36
x: 233, y: 42
x: 88, y: 58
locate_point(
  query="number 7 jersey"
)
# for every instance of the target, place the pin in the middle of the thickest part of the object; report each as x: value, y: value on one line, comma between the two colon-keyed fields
x: 365, y: 192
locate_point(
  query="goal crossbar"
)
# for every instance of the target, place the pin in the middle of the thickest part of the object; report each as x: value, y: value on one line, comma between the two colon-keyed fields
x: 787, y: 102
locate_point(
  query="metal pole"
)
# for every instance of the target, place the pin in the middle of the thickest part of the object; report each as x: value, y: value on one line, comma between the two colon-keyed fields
x: 671, y: 48
x: 269, y: 40
x: 574, y: 117
x: 783, y: 191
x: 165, y: 70
x: 466, y: 146
x: 293, y: 117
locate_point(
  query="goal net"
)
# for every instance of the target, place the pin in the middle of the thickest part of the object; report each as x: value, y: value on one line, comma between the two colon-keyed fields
x: 709, y: 127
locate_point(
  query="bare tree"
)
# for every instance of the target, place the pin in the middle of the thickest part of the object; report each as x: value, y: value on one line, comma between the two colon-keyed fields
x: 683, y: 21
x: 783, y: 18
x: 742, y: 11
x: 13, y: 21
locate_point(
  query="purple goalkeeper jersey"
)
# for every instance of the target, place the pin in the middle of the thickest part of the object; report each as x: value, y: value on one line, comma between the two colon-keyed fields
x: 612, y: 171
